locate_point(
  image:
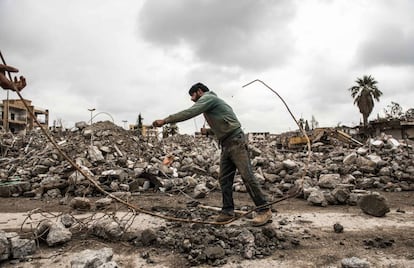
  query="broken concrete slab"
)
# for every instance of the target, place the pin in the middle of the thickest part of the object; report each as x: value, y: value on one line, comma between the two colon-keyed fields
x: 374, y: 204
x: 14, y: 188
x: 92, y: 258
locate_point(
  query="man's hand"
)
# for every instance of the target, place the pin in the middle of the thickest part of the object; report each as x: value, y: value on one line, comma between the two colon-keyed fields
x: 158, y: 123
x: 206, y: 131
x: 6, y: 83
x: 19, y: 84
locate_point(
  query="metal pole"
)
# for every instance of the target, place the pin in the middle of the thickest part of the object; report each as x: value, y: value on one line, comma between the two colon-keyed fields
x: 91, y: 110
x: 6, y: 114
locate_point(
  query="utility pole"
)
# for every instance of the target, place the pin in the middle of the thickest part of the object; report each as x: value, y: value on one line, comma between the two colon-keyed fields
x: 91, y: 110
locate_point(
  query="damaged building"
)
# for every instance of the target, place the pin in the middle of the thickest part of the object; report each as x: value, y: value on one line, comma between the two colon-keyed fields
x: 401, y: 129
x: 15, y: 115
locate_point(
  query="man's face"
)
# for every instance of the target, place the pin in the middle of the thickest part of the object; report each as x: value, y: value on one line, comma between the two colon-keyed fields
x: 196, y: 95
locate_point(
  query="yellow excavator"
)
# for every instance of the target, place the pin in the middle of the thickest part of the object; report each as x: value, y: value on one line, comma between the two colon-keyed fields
x: 320, y: 134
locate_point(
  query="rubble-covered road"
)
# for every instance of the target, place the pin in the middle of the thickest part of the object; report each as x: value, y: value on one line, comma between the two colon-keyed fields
x: 309, y: 238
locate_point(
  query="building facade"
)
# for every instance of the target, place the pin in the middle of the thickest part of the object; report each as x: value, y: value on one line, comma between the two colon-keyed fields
x: 399, y: 129
x: 16, y: 115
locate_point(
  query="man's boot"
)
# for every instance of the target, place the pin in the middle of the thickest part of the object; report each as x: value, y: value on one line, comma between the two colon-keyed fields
x: 262, y: 217
x: 223, y: 217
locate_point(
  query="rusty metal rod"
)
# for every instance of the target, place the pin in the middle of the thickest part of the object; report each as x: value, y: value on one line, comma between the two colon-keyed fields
x: 300, y: 188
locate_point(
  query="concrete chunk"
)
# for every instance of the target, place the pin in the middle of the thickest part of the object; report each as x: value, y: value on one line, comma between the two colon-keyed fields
x: 374, y: 204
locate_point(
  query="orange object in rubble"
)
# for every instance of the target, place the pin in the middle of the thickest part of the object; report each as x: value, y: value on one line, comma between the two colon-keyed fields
x: 168, y: 160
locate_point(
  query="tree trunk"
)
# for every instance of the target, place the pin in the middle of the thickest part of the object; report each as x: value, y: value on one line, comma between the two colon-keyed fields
x: 365, y: 118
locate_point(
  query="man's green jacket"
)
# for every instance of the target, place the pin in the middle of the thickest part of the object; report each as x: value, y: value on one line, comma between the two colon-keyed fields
x: 219, y: 115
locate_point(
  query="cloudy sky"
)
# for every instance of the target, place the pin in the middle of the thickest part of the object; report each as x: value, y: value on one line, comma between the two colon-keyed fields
x: 134, y: 56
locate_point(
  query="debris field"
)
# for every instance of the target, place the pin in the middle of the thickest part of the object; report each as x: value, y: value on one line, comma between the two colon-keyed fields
x: 177, y: 177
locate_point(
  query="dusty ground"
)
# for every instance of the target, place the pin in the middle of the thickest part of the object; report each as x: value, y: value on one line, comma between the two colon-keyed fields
x: 384, y: 242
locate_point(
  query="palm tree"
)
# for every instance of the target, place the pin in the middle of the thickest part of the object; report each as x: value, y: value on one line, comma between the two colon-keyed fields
x: 364, y: 94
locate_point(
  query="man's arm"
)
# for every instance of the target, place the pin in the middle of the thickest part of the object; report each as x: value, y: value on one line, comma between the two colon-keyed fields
x: 198, y: 108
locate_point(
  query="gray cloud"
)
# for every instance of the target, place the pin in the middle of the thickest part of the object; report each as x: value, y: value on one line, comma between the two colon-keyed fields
x: 251, y: 34
x: 388, y: 45
x: 130, y: 57
x: 388, y: 35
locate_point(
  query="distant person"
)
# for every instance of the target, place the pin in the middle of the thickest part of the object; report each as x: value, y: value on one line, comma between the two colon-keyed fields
x: 234, y: 155
x: 5, y: 83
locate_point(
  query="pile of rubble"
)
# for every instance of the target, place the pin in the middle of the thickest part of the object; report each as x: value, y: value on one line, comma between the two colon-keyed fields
x: 198, y: 243
x: 124, y: 164
x: 121, y: 162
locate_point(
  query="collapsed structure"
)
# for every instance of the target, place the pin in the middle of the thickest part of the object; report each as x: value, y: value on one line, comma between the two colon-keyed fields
x: 118, y: 157
x: 124, y: 164
x: 16, y: 118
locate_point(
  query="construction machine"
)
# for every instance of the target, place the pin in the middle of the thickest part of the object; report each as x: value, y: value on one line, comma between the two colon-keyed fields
x: 297, y: 140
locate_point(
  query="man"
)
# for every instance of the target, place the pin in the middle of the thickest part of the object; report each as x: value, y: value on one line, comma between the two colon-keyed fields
x: 234, y: 155
x: 5, y: 83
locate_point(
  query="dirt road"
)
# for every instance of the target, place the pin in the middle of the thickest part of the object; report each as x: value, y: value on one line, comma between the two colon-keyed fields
x: 382, y: 242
